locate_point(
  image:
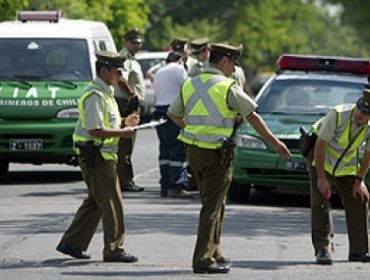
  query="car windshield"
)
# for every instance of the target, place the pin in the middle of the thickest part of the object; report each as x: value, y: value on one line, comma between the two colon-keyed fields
x: 44, y: 59
x: 307, y: 96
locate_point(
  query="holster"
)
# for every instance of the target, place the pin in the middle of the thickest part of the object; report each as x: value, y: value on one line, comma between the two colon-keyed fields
x: 307, y: 141
x: 88, y: 153
x: 227, y: 152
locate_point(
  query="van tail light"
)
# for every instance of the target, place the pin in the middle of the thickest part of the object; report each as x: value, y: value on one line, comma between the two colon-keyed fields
x: 324, y: 63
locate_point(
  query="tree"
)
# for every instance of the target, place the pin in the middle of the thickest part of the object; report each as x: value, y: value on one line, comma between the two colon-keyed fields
x: 120, y: 16
x: 272, y: 27
x: 267, y: 28
x: 126, y: 15
x: 9, y: 8
x: 355, y: 13
x: 188, y: 19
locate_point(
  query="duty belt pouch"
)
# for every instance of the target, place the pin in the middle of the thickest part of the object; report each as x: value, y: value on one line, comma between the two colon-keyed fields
x: 307, y: 141
x: 89, y: 153
x: 228, y: 144
x: 227, y: 152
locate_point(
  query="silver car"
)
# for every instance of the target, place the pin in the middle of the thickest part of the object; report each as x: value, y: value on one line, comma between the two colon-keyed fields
x: 147, y: 60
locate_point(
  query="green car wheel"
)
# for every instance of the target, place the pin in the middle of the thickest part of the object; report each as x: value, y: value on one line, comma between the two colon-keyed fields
x: 239, y: 192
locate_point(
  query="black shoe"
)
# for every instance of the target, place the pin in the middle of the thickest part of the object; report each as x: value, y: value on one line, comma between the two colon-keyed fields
x: 133, y: 188
x: 125, y: 258
x: 164, y: 192
x: 324, y: 257
x: 365, y: 257
x: 213, y: 269
x: 73, y: 252
x: 179, y: 193
x: 224, y: 261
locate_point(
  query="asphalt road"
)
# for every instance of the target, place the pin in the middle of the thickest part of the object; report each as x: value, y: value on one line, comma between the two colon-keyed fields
x: 269, y: 238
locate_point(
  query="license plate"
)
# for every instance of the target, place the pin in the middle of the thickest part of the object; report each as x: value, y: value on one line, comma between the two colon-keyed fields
x: 25, y: 144
x: 296, y: 165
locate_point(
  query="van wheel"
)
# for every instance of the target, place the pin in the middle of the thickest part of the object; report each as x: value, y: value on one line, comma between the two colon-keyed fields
x: 4, y: 168
x: 239, y: 192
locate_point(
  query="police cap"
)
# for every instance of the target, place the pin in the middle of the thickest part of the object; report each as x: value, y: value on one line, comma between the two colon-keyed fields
x: 110, y: 59
x: 134, y: 35
x: 363, y: 103
x: 198, y: 45
x: 178, y: 44
x: 234, y: 52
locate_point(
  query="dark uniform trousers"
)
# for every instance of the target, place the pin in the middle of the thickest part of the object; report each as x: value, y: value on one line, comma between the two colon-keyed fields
x: 124, y: 167
x: 213, y: 181
x: 356, y: 213
x: 104, y: 201
x: 125, y: 148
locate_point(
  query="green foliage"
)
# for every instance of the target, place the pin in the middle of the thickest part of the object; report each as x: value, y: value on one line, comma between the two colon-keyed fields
x: 9, y: 8
x: 267, y: 28
x: 127, y: 14
x: 120, y: 16
x: 160, y: 37
x: 355, y: 14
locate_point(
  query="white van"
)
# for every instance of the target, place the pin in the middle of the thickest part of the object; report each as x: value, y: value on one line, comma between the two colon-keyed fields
x: 46, y: 61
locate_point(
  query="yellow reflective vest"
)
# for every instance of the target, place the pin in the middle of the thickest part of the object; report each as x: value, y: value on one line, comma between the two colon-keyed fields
x: 348, y: 165
x: 208, y: 119
x: 112, y: 119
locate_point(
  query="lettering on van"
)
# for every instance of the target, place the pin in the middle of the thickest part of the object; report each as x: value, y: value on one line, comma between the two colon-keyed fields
x: 39, y: 102
x: 31, y: 93
x: 31, y: 98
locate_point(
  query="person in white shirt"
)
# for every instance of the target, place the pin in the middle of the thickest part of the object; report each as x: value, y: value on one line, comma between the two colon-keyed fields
x: 172, y: 153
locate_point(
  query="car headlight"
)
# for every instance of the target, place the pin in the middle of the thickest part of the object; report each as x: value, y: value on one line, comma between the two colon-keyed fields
x: 71, y: 113
x: 250, y: 142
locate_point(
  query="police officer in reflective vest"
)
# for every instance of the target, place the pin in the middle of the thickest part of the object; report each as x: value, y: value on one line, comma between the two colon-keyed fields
x: 129, y: 99
x: 95, y: 138
x: 206, y: 110
x: 340, y: 134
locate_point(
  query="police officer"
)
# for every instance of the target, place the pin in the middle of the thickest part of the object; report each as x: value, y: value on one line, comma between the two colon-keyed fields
x: 206, y: 110
x: 129, y: 99
x: 335, y: 159
x: 200, y: 49
x: 96, y: 139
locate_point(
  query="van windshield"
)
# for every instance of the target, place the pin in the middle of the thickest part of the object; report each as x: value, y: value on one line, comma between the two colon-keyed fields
x: 44, y: 59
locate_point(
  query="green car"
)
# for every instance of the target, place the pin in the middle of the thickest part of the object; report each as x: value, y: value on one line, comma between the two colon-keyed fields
x: 303, y: 90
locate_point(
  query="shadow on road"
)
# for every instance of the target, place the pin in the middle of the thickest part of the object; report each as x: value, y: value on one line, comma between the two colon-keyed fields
x: 271, y: 198
x: 40, y: 177
x: 141, y: 273
x: 94, y: 264
x: 269, y: 265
